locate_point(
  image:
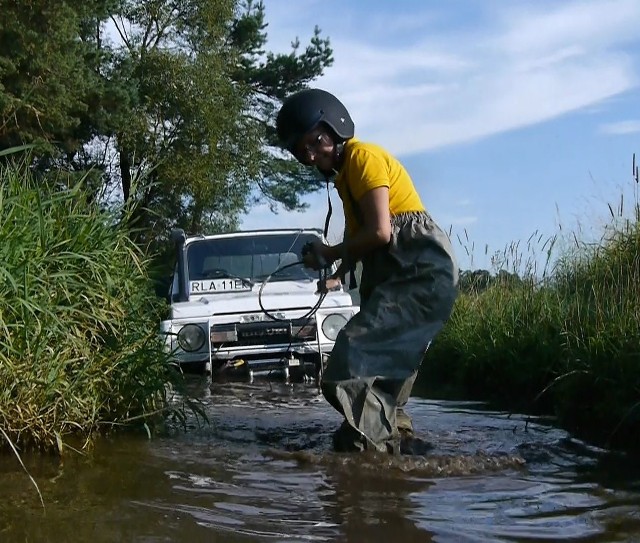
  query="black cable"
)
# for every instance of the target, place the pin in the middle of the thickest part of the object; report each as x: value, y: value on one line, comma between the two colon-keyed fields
x: 305, y: 318
x: 308, y: 315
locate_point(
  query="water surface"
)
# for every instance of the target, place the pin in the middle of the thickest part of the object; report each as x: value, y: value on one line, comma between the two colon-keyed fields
x: 263, y: 471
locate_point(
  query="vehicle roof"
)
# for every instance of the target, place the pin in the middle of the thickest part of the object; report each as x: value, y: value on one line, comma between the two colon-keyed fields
x: 267, y: 231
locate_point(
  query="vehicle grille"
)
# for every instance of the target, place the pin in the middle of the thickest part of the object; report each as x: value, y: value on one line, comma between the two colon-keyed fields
x: 263, y: 333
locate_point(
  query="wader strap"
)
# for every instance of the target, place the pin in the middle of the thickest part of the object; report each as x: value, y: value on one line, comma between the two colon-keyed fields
x: 358, y: 215
x: 352, y: 268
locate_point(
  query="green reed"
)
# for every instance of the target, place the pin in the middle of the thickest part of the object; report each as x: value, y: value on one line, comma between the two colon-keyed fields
x: 79, y: 351
x: 564, y: 339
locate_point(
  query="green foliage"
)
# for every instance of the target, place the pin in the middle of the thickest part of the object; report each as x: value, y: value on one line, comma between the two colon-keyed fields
x: 269, y: 78
x: 568, y: 343
x: 80, y: 349
x: 183, y: 93
x: 44, y: 79
x: 180, y: 93
x: 476, y: 281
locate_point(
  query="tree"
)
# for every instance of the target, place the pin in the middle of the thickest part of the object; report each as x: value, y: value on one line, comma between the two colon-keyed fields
x: 474, y: 281
x: 181, y: 125
x: 180, y: 93
x: 44, y: 76
x: 270, y: 78
x: 204, y: 107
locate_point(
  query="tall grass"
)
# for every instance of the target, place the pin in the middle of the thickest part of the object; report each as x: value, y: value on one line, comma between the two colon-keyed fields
x: 562, y: 340
x: 78, y: 319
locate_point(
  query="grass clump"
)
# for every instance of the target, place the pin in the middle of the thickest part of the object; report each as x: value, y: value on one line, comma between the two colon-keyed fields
x: 565, y: 341
x: 78, y: 317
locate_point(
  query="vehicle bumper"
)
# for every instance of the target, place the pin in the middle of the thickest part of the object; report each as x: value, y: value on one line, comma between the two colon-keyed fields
x: 305, y: 356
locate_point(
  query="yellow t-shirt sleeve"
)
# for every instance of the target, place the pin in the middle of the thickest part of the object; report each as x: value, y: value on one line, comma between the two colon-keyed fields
x: 367, y: 171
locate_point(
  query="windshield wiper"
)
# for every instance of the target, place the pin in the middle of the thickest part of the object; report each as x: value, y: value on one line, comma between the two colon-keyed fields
x: 284, y: 276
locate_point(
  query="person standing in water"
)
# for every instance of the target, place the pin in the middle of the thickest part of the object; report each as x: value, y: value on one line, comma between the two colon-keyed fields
x: 409, y: 272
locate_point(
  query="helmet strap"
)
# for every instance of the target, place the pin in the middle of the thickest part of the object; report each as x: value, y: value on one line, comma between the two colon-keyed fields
x: 338, y: 156
x: 338, y: 149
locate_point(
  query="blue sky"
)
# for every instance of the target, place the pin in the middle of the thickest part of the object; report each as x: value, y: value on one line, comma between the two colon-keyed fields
x: 512, y: 117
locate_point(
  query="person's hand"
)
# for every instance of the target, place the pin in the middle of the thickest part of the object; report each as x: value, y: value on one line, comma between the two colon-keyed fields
x: 328, y: 285
x: 310, y: 259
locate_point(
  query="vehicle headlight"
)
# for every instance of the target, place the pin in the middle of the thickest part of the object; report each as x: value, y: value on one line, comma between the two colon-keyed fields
x: 191, y: 337
x: 332, y: 324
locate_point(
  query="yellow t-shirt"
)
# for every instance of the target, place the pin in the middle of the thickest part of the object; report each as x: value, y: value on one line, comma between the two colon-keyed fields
x: 367, y: 166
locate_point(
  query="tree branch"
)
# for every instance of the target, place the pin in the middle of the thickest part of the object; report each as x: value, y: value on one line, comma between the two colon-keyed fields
x: 121, y: 31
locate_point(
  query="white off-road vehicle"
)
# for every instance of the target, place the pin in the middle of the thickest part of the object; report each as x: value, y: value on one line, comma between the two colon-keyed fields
x: 226, y: 319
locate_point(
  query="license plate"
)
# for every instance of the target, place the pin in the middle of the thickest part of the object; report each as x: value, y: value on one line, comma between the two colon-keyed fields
x: 212, y: 286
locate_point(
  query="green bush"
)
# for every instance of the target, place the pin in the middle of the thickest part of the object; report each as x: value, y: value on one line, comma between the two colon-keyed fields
x: 78, y: 318
x: 567, y: 344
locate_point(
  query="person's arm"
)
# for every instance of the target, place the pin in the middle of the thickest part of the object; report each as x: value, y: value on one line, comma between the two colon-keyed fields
x: 374, y: 233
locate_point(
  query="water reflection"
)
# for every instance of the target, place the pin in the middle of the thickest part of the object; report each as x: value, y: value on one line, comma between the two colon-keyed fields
x: 263, y: 470
x: 373, y: 508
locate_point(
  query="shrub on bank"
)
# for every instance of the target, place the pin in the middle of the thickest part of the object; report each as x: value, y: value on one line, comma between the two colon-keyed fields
x: 567, y: 345
x: 79, y: 350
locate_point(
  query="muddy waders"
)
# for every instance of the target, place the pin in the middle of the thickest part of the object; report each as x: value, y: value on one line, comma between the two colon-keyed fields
x: 407, y: 293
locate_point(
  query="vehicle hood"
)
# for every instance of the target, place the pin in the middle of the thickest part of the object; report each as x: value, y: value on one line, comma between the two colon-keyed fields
x: 276, y: 296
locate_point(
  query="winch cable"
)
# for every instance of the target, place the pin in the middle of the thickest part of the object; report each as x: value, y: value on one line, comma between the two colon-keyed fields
x: 307, y: 316
x: 323, y: 275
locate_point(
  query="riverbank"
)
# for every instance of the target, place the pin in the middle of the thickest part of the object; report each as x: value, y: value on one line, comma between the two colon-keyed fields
x: 566, y: 343
x: 80, y: 353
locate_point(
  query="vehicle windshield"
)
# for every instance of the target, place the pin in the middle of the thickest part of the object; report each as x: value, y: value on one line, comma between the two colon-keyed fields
x: 252, y: 257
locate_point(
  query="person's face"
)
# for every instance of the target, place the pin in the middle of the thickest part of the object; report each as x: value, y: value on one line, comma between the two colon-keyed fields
x: 316, y: 148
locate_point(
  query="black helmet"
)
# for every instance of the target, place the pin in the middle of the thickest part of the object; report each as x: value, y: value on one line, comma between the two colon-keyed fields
x: 303, y: 110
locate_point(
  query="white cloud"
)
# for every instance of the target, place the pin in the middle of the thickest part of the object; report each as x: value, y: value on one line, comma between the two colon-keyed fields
x: 621, y: 128
x: 261, y: 216
x: 530, y: 63
x: 425, y: 84
x: 462, y: 221
x: 592, y: 23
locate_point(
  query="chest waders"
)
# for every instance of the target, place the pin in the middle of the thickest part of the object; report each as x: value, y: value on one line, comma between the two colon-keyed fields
x: 407, y: 292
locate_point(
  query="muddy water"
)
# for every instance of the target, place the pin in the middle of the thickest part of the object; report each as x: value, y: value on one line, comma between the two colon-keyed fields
x: 263, y: 470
